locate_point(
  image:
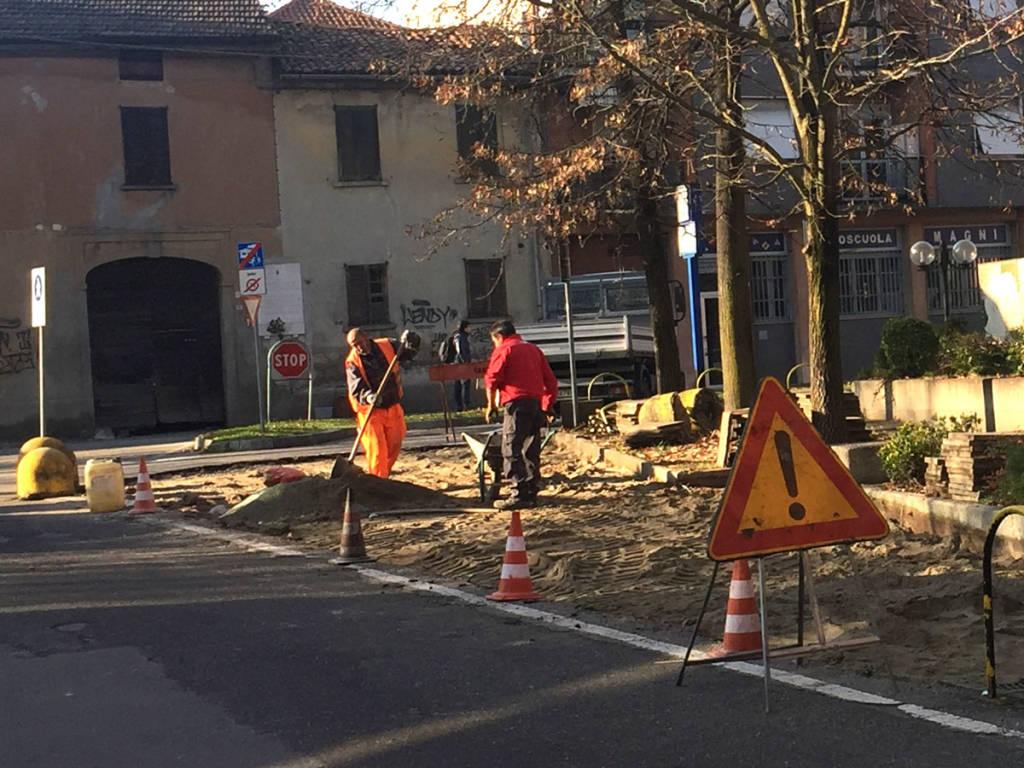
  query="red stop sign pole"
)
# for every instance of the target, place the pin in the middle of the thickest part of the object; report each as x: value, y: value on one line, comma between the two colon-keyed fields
x: 290, y: 359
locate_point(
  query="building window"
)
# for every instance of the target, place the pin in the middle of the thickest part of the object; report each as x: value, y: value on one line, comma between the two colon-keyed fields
x: 358, y: 143
x: 476, y: 129
x: 771, y: 121
x: 998, y: 130
x: 485, y: 288
x: 140, y: 65
x: 870, y: 283
x: 768, y: 286
x: 147, y: 152
x: 367, y: 288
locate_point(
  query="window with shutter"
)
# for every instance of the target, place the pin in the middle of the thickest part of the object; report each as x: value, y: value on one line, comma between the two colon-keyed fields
x: 366, y: 286
x: 476, y: 128
x: 485, y: 288
x: 147, y: 153
x: 140, y: 65
x: 358, y: 143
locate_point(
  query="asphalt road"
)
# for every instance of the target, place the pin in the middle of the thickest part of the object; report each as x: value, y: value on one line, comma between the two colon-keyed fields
x: 127, y: 643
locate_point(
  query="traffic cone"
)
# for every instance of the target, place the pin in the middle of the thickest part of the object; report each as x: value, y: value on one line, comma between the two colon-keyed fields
x: 515, y: 583
x: 742, y: 624
x: 352, y: 548
x: 144, y: 501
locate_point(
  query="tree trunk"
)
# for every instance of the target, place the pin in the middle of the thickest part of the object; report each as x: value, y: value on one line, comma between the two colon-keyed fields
x: 735, y: 315
x: 668, y: 373
x: 821, y: 250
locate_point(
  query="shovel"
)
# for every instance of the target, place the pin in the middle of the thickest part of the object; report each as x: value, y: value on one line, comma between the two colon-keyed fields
x: 343, y: 464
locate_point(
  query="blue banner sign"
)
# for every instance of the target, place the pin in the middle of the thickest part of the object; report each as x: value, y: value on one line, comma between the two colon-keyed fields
x: 760, y: 242
x: 869, y: 239
x: 767, y: 242
x: 992, y: 234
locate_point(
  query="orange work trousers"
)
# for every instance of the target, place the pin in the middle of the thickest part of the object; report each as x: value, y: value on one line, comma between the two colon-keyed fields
x: 382, y: 439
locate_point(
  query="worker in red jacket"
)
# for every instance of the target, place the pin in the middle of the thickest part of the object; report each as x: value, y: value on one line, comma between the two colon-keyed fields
x: 519, y: 379
x: 365, y: 367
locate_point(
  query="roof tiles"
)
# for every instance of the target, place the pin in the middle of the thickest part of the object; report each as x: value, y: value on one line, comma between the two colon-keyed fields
x: 90, y: 20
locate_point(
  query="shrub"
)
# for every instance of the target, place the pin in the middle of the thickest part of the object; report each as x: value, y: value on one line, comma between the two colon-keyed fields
x: 1010, y: 486
x: 909, y: 347
x: 966, y: 354
x: 903, y: 456
x: 1015, y: 352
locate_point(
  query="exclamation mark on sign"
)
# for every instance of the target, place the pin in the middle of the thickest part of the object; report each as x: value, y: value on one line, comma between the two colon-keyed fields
x: 784, y: 448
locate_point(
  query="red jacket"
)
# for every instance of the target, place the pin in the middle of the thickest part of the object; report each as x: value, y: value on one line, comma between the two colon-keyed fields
x: 519, y: 369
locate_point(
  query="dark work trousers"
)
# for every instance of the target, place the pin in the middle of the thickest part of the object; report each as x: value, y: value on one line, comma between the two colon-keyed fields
x: 462, y: 396
x: 520, y: 446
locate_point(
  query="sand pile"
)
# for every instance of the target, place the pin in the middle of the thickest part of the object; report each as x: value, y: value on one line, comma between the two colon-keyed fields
x: 635, y: 551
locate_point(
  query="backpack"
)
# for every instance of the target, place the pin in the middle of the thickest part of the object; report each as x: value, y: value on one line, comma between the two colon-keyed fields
x: 446, y: 351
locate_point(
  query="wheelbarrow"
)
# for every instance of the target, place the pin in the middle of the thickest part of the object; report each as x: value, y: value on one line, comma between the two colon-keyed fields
x: 488, y: 456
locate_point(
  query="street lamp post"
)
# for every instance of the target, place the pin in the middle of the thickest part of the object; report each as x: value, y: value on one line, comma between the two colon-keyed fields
x: 961, y: 255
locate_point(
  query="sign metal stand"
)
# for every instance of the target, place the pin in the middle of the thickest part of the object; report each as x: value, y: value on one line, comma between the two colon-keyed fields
x: 309, y: 377
x: 37, y: 282
x: 787, y: 492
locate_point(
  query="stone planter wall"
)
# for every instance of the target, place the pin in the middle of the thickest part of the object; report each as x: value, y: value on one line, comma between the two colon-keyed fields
x: 998, y: 402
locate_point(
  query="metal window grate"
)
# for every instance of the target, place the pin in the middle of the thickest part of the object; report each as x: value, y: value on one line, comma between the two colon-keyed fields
x: 870, y: 283
x: 769, y: 287
x: 964, y: 290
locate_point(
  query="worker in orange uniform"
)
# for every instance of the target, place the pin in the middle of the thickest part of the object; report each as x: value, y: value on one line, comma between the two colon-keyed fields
x: 519, y: 379
x: 375, y: 405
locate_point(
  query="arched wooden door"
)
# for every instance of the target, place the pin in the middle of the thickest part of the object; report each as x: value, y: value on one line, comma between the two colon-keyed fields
x: 154, y: 332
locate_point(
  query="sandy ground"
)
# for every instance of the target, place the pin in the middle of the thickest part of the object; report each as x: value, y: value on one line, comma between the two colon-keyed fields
x: 635, y: 551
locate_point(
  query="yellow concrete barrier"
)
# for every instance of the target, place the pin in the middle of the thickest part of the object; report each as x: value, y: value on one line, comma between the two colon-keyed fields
x: 45, y: 472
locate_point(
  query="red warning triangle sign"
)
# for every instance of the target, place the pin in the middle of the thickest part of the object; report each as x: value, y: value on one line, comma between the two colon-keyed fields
x: 787, y: 489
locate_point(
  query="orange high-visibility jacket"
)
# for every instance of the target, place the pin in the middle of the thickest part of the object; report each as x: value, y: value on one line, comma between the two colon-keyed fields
x: 355, y: 358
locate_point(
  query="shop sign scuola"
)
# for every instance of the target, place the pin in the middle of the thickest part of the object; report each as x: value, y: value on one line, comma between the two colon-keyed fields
x: 859, y: 239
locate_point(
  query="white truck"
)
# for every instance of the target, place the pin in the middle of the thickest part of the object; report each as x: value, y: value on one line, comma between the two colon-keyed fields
x: 611, y: 331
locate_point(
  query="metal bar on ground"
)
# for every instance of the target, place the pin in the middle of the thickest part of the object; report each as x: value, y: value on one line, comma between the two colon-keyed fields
x: 793, y: 651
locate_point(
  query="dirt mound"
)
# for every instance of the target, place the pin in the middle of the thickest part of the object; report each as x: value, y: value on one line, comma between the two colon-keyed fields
x: 277, y: 508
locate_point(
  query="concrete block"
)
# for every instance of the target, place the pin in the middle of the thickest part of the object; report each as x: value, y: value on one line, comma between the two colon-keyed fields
x: 921, y: 399
x: 638, y: 468
x: 586, y: 449
x: 1008, y: 404
x: 874, y: 401
x: 663, y: 474
x: 943, y: 517
x: 862, y: 461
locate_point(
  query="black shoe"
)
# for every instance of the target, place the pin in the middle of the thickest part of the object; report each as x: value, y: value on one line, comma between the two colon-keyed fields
x: 515, y: 503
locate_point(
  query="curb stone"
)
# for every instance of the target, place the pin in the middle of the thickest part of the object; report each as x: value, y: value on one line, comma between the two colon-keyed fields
x: 264, y: 443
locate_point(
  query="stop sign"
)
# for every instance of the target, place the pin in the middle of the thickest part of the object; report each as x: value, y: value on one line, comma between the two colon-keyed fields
x: 290, y: 360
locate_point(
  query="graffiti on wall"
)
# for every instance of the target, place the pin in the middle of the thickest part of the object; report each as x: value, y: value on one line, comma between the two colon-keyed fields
x: 421, y: 312
x: 15, y: 347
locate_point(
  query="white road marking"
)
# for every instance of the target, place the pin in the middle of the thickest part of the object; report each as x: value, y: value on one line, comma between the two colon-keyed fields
x: 802, y: 682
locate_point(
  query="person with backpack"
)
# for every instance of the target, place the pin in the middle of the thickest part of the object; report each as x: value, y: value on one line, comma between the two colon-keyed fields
x: 463, y: 354
x: 456, y: 349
